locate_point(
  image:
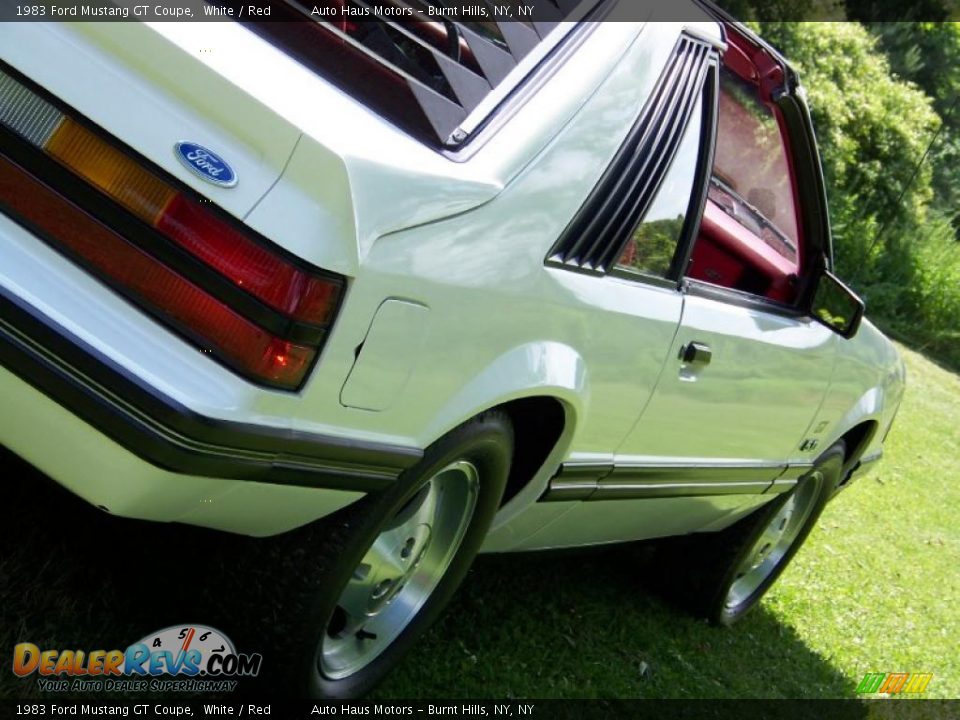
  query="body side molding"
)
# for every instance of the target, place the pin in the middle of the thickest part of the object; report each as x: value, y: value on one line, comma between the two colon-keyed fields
x: 610, y: 481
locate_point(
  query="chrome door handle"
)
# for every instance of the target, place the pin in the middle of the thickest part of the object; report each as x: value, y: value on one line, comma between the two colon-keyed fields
x: 695, y: 353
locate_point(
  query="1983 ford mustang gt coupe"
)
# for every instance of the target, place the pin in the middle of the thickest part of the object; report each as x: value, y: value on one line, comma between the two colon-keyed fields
x: 397, y: 291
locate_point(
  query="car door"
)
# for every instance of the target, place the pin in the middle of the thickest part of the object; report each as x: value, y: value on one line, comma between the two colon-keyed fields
x: 629, y: 236
x: 748, y: 368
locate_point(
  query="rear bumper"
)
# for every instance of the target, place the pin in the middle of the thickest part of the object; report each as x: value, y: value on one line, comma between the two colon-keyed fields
x: 122, y: 445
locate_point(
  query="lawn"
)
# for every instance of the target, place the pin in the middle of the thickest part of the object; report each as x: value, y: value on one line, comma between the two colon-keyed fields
x: 875, y: 589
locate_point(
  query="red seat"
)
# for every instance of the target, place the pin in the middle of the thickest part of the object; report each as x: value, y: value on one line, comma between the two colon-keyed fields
x: 728, y: 254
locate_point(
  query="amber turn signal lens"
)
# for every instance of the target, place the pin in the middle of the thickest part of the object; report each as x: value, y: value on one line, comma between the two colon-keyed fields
x: 102, y: 165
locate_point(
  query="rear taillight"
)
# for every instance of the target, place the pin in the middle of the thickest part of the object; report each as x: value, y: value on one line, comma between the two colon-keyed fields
x: 234, y: 294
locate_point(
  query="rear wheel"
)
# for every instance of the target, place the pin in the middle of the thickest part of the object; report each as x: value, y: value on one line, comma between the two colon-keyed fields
x: 400, y: 571
x: 355, y: 591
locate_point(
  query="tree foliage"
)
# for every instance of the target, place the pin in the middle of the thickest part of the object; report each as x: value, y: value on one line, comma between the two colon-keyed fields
x: 928, y: 54
x: 890, y: 212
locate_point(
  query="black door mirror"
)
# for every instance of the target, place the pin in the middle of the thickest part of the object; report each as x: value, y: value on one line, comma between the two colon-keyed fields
x: 837, y: 306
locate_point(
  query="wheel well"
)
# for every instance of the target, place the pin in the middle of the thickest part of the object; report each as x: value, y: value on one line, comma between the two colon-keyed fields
x: 857, y: 439
x: 537, y: 425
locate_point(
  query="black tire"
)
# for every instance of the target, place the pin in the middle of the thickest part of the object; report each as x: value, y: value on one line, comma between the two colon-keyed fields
x: 312, y: 566
x: 703, y: 569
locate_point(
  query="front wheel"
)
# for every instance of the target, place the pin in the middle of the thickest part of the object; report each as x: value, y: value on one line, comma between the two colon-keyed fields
x: 358, y: 589
x: 726, y: 574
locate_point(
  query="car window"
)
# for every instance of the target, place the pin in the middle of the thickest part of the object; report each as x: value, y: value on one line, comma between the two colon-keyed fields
x: 654, y: 242
x: 749, y: 239
x: 751, y: 174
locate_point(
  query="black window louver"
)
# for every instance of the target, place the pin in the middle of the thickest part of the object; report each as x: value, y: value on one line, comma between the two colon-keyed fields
x: 432, y: 77
x: 597, y: 234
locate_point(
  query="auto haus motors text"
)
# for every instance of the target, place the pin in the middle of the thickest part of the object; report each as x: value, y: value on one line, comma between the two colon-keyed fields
x: 376, y: 709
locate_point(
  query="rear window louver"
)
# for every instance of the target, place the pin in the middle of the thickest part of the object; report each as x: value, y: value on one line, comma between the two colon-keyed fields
x: 436, y: 79
x: 597, y: 234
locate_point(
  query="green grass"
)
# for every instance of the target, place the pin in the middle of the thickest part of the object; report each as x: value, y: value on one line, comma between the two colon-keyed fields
x: 875, y: 589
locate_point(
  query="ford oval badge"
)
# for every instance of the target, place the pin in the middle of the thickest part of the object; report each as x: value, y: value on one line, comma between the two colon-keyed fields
x: 205, y: 163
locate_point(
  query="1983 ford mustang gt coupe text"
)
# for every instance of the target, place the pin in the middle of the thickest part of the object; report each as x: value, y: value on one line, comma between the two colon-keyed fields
x: 399, y: 291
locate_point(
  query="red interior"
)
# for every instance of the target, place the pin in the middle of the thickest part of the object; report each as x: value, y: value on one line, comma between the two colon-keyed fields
x: 730, y: 255
x: 726, y: 252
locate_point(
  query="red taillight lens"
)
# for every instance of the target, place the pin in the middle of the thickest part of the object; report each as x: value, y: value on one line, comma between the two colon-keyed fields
x: 270, y: 278
x: 126, y: 267
x: 270, y: 329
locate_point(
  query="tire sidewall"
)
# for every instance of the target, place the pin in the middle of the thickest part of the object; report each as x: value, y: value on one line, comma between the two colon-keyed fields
x: 487, y: 442
x: 826, y: 473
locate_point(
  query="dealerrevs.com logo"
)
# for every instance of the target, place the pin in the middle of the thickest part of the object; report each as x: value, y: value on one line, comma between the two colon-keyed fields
x: 188, y: 658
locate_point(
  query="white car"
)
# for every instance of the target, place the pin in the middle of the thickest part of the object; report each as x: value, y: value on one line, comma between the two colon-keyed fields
x: 402, y: 290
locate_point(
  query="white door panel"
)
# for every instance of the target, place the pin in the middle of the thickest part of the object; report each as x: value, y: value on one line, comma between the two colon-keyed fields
x: 628, y: 343
x: 752, y: 400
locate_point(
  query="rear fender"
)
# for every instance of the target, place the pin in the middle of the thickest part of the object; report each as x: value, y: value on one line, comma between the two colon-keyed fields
x: 535, y: 369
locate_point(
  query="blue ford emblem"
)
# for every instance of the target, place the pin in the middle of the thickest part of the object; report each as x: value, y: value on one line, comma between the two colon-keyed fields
x: 206, y: 163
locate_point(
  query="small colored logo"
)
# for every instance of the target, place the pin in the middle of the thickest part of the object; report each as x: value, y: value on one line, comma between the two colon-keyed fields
x: 899, y: 683
x: 206, y: 164
x: 202, y: 656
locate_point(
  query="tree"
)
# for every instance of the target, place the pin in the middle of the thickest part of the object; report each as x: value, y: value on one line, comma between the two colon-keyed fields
x: 928, y: 54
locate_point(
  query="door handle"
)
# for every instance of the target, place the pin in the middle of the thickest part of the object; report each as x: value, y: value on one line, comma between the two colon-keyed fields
x: 696, y: 353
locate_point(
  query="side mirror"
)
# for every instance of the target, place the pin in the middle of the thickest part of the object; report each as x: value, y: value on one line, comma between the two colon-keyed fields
x: 836, y: 306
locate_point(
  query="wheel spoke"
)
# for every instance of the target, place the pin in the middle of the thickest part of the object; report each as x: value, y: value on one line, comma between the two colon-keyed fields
x: 362, y: 572
x: 354, y: 601
x: 427, y: 511
x: 385, y: 556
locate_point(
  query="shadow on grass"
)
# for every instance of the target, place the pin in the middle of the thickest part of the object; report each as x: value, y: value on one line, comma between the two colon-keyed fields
x: 586, y: 624
x: 557, y: 625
